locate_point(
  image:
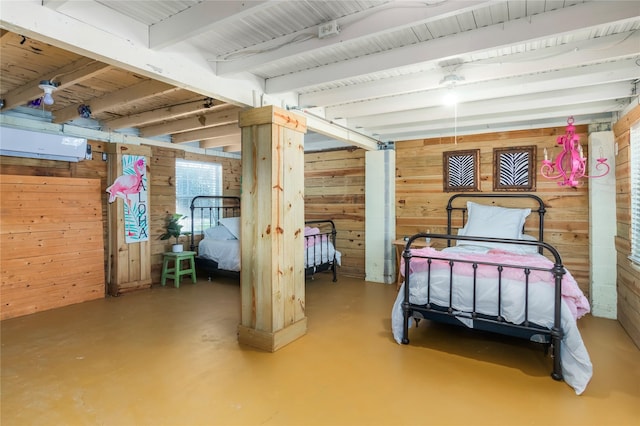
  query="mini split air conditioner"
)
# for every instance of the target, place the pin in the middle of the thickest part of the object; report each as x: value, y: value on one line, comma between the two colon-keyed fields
x: 46, y: 146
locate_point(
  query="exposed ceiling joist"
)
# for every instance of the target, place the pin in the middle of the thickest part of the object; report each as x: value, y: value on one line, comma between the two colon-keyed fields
x: 222, y: 141
x: 207, y: 133
x: 220, y: 117
x: 198, y: 19
x: 534, y: 101
x: 482, y: 39
x: 368, y: 23
x: 67, y: 76
x: 334, y: 131
x: 572, y: 56
x: 145, y: 89
x: 165, y: 113
x: 565, y: 79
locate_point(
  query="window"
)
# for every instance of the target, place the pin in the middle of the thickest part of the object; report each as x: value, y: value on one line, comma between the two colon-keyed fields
x: 195, y: 178
x: 635, y: 194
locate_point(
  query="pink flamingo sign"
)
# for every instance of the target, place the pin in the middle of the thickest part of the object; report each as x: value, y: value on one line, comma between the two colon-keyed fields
x: 132, y: 188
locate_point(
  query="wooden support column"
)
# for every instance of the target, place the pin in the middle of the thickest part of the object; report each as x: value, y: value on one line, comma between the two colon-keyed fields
x: 129, y: 264
x: 272, y: 231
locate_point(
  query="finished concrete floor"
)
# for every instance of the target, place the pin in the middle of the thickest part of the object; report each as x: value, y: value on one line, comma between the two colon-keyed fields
x: 170, y: 356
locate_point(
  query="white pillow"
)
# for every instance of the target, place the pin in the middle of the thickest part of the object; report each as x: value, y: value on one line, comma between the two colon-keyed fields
x: 462, y: 232
x: 526, y: 249
x: 232, y: 224
x: 494, y: 222
x: 219, y: 232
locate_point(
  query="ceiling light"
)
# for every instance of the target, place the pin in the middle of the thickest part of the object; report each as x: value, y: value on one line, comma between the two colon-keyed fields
x: 449, y: 81
x: 450, y: 98
x: 48, y: 87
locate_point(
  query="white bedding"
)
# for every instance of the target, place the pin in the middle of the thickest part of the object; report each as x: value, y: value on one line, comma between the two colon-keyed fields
x: 320, y: 253
x: 227, y: 253
x: 576, y: 364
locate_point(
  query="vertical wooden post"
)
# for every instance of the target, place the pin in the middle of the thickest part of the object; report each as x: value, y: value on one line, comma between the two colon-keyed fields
x: 129, y: 264
x: 272, y: 230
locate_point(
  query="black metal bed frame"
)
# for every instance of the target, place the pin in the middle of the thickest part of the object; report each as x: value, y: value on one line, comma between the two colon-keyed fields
x: 495, y: 324
x: 321, y: 241
x: 209, y: 209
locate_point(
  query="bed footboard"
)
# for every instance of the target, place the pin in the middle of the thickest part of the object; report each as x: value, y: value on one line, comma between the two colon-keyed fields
x: 442, y: 277
x: 320, y: 247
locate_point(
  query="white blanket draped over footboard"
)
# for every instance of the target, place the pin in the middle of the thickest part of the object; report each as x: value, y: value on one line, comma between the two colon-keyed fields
x: 576, y: 364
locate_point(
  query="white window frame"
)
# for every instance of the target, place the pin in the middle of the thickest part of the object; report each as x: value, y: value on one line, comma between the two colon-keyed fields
x: 204, y: 178
x: 634, y: 166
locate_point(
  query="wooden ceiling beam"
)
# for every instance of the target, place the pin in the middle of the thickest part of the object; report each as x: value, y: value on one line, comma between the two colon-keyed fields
x: 224, y: 141
x: 208, y: 133
x: 223, y: 116
x: 232, y: 148
x: 162, y: 114
x: 143, y: 90
x: 67, y: 76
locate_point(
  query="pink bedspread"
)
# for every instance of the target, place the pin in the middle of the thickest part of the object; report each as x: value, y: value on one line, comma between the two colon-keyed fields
x: 310, y: 232
x: 571, y: 293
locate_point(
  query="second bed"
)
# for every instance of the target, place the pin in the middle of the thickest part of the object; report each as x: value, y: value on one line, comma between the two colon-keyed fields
x: 218, y: 252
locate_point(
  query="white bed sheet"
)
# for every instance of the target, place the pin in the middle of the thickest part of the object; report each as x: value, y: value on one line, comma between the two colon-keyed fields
x: 321, y: 253
x: 227, y: 253
x: 576, y: 364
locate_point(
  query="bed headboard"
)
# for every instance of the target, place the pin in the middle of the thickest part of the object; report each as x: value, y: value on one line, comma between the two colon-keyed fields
x: 458, y: 203
x: 206, y: 210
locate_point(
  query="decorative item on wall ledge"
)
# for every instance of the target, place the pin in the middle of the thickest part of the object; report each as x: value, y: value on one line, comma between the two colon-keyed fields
x: 461, y: 170
x: 514, y: 169
x: 571, y: 163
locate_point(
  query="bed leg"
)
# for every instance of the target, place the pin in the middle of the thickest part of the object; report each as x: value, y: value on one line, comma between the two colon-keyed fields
x: 556, y: 341
x: 405, y: 323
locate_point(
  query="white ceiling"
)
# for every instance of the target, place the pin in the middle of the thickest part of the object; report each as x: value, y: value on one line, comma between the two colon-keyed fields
x: 384, y: 72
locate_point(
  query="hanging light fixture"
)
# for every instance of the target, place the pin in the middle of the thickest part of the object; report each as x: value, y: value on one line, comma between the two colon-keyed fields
x: 571, y: 163
x: 48, y: 87
x: 450, y: 98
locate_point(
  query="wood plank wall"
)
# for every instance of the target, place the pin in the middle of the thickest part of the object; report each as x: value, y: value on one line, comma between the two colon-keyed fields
x: 421, y: 202
x: 628, y: 279
x: 163, y: 199
x: 334, y: 189
x: 52, y: 243
x: 95, y: 168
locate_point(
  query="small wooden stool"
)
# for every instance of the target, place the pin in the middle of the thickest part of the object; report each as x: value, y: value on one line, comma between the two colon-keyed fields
x: 176, y: 272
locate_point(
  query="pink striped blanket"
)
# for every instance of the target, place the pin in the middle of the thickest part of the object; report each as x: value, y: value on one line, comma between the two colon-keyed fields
x: 571, y: 293
x: 317, y: 239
